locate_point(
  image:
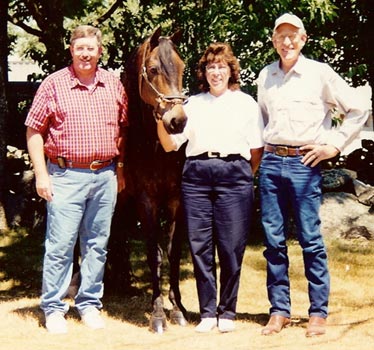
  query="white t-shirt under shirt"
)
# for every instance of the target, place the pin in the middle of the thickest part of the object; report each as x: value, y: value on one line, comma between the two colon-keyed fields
x: 230, y: 124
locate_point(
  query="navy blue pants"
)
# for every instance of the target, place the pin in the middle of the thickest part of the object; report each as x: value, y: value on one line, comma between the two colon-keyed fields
x: 218, y: 198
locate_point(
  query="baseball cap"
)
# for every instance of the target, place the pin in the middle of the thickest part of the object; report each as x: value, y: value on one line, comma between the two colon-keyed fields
x: 289, y: 18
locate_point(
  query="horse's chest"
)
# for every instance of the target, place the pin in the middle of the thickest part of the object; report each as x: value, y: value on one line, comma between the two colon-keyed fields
x: 155, y: 172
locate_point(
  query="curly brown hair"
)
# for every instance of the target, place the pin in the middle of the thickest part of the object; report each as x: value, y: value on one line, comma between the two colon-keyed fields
x: 218, y: 52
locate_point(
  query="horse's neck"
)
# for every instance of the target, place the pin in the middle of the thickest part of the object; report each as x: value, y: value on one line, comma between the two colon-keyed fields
x: 148, y: 124
x: 143, y: 128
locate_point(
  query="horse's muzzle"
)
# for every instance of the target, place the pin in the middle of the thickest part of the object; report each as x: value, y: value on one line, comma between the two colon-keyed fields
x: 175, y: 119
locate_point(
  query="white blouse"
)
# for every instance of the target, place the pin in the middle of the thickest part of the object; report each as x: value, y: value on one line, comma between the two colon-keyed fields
x: 230, y: 124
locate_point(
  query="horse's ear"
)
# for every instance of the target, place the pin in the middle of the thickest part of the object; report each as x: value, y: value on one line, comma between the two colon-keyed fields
x: 176, y: 37
x: 154, y: 38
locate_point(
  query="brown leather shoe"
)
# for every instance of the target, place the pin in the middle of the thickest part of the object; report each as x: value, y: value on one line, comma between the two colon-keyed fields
x: 316, y: 326
x: 276, y: 324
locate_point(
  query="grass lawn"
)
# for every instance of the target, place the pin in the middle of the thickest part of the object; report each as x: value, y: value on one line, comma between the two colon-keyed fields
x: 350, y: 324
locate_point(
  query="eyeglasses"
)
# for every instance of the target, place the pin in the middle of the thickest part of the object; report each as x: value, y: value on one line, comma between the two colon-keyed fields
x: 212, y: 68
x: 280, y: 38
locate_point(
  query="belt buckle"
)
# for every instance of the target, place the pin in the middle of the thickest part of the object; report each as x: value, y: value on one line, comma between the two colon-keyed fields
x: 281, y: 151
x: 95, y: 165
x: 213, y: 154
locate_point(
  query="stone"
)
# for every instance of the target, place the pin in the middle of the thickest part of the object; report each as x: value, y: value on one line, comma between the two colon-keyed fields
x: 341, y: 211
x: 336, y: 180
x: 358, y: 232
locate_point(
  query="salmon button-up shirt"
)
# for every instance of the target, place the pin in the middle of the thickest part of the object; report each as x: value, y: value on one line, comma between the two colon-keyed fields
x: 78, y: 123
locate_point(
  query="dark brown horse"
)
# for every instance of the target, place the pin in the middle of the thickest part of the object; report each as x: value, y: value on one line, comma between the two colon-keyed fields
x: 153, y: 82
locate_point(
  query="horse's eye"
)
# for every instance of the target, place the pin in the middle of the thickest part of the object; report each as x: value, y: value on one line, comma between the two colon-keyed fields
x: 153, y: 70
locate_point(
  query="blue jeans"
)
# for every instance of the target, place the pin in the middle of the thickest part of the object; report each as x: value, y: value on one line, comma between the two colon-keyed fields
x: 285, y: 182
x: 218, y: 198
x: 82, y: 206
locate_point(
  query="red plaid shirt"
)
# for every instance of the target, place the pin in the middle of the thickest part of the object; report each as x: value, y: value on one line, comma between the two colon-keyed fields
x: 79, y: 124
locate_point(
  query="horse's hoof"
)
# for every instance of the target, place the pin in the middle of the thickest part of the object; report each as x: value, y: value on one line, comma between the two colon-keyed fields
x: 177, y: 317
x: 157, y: 324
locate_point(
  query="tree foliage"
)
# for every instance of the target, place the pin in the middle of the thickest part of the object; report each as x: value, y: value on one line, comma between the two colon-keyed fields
x: 336, y: 28
x: 43, y: 19
x: 350, y: 40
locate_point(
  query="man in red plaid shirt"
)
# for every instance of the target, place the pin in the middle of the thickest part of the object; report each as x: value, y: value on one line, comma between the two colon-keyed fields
x: 75, y: 137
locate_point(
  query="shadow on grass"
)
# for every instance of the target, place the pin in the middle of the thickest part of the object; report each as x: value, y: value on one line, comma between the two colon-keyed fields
x: 21, y: 255
x: 36, y: 313
x: 131, y: 310
x: 31, y: 312
x: 134, y: 310
x: 21, y: 259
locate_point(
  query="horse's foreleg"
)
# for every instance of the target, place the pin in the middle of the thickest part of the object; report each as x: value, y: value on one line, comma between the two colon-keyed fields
x: 157, y: 322
x: 150, y: 226
x: 148, y: 216
x: 154, y: 260
x: 178, y: 313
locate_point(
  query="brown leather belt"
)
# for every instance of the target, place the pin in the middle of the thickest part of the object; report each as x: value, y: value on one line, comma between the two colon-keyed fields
x: 94, y: 165
x: 284, y: 151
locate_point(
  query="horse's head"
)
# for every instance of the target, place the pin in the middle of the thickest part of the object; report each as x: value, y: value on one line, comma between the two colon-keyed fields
x: 161, y: 78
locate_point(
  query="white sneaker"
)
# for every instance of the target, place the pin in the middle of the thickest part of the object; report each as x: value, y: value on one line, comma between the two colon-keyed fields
x: 92, y: 318
x: 206, y: 325
x: 56, y: 323
x: 225, y: 325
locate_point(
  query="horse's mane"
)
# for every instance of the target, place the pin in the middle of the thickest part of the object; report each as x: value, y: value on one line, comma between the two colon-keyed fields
x: 130, y: 76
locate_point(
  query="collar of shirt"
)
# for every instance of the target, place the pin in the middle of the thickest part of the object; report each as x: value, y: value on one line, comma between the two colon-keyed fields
x: 298, y: 68
x: 75, y: 81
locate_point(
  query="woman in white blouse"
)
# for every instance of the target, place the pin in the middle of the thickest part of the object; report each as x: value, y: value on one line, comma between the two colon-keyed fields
x: 224, y: 148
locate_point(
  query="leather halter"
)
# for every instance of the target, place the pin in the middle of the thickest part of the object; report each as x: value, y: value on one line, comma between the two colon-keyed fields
x: 169, y: 99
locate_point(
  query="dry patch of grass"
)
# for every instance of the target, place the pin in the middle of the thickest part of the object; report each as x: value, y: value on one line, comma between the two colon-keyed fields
x: 350, y: 324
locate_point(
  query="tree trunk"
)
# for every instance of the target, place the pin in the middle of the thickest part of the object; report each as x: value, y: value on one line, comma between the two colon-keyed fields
x: 3, y: 104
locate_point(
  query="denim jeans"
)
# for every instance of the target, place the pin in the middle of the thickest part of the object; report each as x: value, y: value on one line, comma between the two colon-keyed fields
x: 218, y: 198
x: 82, y: 206
x: 286, y: 183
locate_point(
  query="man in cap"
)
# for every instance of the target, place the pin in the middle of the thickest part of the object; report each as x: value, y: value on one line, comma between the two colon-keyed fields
x: 296, y: 96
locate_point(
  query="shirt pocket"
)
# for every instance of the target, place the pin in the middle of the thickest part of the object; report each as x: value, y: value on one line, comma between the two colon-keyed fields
x: 306, y: 110
x: 306, y: 116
